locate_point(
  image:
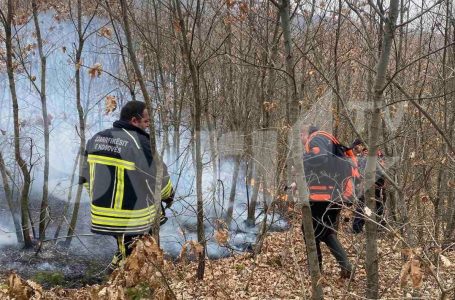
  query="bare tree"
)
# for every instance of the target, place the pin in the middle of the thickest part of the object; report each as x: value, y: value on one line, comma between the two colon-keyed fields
x: 82, y: 36
x: 42, y: 91
x: 7, y: 21
x: 196, y: 118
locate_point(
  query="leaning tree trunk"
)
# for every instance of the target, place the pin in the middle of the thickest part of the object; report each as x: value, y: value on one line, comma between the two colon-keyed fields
x: 148, y: 104
x: 371, y: 262
x: 17, y: 148
x: 68, y: 199
x: 9, y: 199
x: 44, y: 202
x: 80, y: 111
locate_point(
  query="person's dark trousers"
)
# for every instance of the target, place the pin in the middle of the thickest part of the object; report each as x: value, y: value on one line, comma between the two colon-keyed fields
x: 324, y: 221
x: 359, y: 221
x: 380, y: 196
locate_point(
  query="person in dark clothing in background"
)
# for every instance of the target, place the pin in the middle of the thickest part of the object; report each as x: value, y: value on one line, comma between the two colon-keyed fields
x: 327, y: 172
x: 379, y: 191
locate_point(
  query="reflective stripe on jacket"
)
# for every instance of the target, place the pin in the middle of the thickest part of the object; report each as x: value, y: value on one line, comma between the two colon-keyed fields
x: 120, y: 172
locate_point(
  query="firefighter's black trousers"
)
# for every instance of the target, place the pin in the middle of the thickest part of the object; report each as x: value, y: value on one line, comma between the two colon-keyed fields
x: 325, y: 215
x: 380, y: 195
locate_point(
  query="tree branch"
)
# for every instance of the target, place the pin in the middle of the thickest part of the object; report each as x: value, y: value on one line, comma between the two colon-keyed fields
x: 419, y: 15
x: 378, y: 11
x: 427, y: 115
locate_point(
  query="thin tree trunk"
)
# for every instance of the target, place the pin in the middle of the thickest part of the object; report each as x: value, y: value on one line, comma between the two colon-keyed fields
x: 336, y: 108
x: 138, y: 72
x: 235, y: 176
x: 196, y: 135
x: 9, y: 199
x: 308, y: 230
x: 296, y: 150
x: 257, y: 179
x: 44, y: 202
x: 81, y: 116
x: 148, y: 104
x: 371, y: 262
x: 70, y: 196
x: 8, y: 23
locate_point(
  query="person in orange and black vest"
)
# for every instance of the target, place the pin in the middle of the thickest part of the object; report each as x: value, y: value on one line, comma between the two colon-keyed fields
x: 379, y: 188
x: 329, y: 171
x: 119, y: 173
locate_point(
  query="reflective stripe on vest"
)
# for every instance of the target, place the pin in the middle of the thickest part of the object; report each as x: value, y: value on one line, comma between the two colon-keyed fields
x: 166, y: 190
x: 320, y: 197
x: 323, y: 133
x: 111, y: 161
x: 321, y: 187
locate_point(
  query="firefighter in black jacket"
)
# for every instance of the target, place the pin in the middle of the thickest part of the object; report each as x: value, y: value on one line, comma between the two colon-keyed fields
x: 328, y: 174
x: 119, y: 174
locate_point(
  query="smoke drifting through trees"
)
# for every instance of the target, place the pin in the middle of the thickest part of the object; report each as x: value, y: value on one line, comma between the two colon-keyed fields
x: 250, y: 69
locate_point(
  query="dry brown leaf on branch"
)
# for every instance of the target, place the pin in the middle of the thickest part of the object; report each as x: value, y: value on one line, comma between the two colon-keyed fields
x: 416, y: 274
x: 95, y: 70
x: 78, y: 64
x: 176, y: 25
x: 196, y: 247
x: 404, y: 274
x: 106, y: 32
x: 111, y: 104
x: 270, y: 106
x: 243, y: 6
x: 183, y: 253
x: 424, y: 198
x: 230, y: 3
x: 451, y: 183
x: 445, y: 261
x: 221, y: 236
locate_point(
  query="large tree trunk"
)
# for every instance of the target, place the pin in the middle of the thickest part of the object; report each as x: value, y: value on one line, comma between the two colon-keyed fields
x: 371, y: 262
x: 17, y: 148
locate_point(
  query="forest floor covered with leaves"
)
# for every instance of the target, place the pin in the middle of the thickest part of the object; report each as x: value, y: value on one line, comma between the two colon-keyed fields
x: 280, y: 271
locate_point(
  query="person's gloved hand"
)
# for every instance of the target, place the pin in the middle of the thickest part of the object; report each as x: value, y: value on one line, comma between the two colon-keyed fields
x: 163, y: 219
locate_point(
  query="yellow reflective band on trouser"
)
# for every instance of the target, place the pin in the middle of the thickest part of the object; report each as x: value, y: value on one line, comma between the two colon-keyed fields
x: 92, y: 179
x: 166, y: 191
x: 86, y: 186
x: 121, y: 246
x: 123, y: 213
x: 110, y: 221
x: 110, y: 161
x: 119, y: 190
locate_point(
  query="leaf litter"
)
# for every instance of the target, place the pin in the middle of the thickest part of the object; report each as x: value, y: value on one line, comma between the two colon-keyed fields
x: 280, y: 271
